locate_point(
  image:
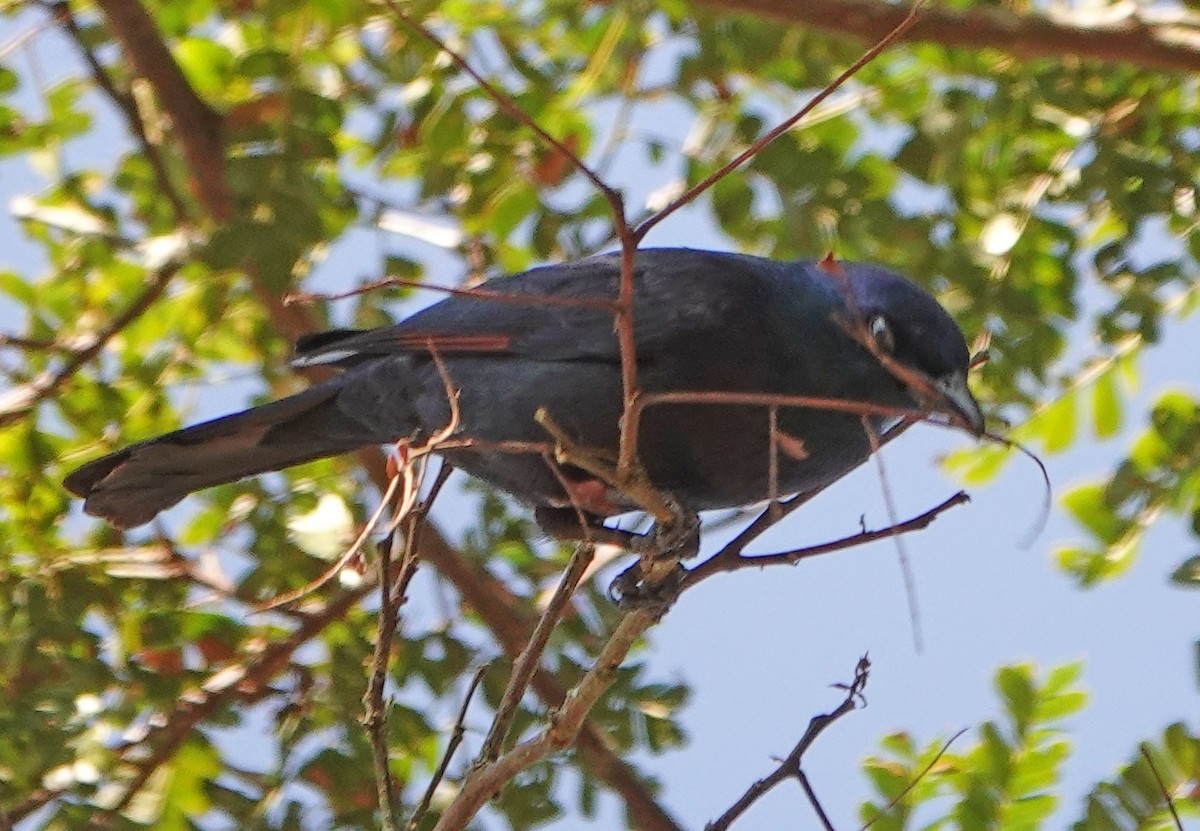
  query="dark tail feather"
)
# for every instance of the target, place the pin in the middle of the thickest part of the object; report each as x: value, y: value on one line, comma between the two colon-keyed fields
x: 131, y: 486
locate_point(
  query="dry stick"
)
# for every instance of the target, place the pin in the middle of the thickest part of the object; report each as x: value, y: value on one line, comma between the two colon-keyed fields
x: 895, y: 800
x: 527, y: 662
x: 374, y: 717
x: 789, y: 767
x: 456, y: 737
x: 1162, y: 787
x: 563, y: 730
x: 719, y: 563
x: 408, y: 511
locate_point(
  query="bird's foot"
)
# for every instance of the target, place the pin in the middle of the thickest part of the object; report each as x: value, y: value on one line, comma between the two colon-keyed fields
x: 677, y: 537
x: 634, y: 590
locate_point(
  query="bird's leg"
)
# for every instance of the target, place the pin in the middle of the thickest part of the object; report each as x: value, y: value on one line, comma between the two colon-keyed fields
x: 652, y: 582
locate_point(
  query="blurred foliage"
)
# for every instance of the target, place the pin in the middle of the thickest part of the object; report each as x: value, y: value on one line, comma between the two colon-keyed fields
x: 1007, y: 778
x: 1049, y: 203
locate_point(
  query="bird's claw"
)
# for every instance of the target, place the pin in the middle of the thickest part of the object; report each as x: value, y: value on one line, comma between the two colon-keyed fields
x: 678, y: 537
x: 632, y: 592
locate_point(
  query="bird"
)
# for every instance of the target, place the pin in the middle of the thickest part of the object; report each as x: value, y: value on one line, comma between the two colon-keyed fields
x: 501, y: 370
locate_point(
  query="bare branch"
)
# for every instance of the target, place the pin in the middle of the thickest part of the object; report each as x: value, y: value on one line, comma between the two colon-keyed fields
x: 456, y: 737
x: 562, y: 732
x: 531, y: 655
x: 197, y: 126
x: 789, y: 767
x: 1169, y: 41
x: 726, y: 561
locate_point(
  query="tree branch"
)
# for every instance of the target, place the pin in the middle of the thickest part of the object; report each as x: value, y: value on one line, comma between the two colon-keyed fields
x: 1169, y: 43
x: 789, y: 767
x: 728, y: 561
x: 198, y: 127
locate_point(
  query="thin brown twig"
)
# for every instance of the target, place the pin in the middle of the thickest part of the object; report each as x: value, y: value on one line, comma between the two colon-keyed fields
x: 789, y: 767
x: 723, y: 562
x: 895, y: 800
x: 456, y: 737
x: 1162, y: 787
x: 479, y: 293
x: 527, y: 662
x: 754, y: 149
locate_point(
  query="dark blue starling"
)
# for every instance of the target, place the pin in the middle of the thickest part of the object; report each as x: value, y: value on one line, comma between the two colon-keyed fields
x: 704, y: 321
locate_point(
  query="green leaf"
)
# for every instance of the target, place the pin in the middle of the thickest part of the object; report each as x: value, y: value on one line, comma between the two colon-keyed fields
x: 1106, y: 405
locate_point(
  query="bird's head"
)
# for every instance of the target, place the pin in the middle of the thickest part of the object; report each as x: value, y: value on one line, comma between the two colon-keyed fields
x: 915, y: 338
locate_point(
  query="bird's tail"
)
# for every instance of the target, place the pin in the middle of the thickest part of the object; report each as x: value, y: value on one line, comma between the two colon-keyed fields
x: 131, y: 486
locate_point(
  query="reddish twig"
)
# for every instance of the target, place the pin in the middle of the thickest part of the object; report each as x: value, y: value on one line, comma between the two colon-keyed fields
x: 882, y: 43
x: 479, y: 293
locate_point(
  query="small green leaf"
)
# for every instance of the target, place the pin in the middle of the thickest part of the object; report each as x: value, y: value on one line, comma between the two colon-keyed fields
x: 1106, y: 405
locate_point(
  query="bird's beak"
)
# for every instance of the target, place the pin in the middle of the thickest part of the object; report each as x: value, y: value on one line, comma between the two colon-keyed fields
x: 961, y: 403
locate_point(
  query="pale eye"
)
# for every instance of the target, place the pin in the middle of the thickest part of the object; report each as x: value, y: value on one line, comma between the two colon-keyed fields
x: 881, y: 331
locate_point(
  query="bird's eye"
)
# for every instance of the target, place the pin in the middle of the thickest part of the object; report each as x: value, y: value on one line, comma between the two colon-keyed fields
x: 881, y: 331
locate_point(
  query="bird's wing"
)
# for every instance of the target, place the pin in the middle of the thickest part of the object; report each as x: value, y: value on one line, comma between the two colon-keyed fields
x: 558, y: 313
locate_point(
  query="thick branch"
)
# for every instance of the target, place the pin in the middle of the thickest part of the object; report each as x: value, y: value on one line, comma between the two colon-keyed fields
x: 197, y: 126
x: 1168, y: 45
x: 561, y: 733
